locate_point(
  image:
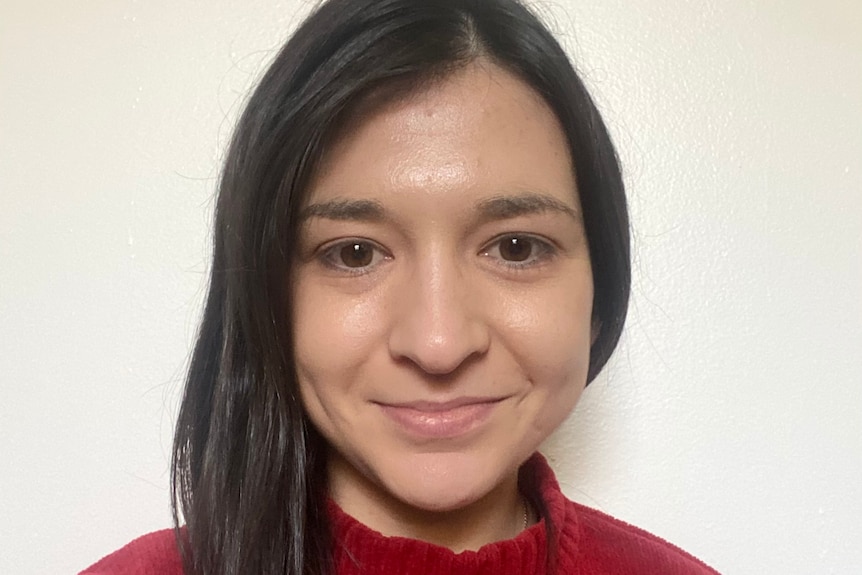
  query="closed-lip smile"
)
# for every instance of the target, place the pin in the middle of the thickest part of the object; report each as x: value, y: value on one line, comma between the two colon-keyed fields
x: 441, y: 420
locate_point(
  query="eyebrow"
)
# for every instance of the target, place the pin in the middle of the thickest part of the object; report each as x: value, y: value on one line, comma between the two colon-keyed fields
x: 490, y: 209
x: 524, y: 204
x: 362, y: 210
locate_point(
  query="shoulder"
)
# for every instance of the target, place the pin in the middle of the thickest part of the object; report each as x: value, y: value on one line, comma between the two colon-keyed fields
x: 608, y: 545
x: 152, y: 554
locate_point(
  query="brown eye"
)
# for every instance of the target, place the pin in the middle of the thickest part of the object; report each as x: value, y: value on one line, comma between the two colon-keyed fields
x: 356, y: 255
x: 520, y: 251
x: 516, y: 249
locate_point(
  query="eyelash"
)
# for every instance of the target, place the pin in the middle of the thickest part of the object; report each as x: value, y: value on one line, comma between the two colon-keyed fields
x: 546, y: 250
x: 329, y: 255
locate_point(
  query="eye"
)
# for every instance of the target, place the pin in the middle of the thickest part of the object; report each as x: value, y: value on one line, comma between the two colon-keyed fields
x: 354, y: 256
x: 515, y: 249
x: 519, y: 250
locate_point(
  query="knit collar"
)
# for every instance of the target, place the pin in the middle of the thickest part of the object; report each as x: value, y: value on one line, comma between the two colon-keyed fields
x: 360, y: 549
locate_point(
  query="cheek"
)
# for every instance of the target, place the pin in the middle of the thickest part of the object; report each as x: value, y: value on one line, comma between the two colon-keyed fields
x: 550, y: 338
x: 335, y: 336
x: 552, y: 329
x: 332, y: 332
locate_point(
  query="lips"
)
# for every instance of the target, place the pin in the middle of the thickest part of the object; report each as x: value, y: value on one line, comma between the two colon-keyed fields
x: 441, y: 420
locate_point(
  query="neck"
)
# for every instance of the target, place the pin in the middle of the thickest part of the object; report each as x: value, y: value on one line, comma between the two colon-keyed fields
x: 497, y: 516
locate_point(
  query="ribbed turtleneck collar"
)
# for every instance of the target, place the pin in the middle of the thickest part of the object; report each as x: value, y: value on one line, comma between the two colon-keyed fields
x: 360, y: 549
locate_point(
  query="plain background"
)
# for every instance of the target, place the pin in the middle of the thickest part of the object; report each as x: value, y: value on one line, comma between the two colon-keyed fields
x: 730, y: 421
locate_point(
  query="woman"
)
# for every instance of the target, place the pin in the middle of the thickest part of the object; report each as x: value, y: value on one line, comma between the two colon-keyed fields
x: 421, y: 259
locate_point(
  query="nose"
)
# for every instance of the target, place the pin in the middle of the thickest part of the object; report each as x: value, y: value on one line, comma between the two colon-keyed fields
x: 439, y: 323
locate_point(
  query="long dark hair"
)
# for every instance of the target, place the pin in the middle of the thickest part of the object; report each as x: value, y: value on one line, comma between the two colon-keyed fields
x: 248, y: 468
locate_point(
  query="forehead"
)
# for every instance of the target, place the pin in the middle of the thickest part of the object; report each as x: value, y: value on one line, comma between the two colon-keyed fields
x: 478, y: 132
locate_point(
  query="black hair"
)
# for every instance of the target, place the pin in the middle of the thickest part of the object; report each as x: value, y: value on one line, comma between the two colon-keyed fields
x: 248, y: 471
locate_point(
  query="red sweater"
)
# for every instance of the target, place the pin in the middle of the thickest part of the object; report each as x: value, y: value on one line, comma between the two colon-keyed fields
x: 587, y: 542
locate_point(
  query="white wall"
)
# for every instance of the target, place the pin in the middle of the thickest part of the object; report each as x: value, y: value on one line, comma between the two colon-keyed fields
x: 730, y: 421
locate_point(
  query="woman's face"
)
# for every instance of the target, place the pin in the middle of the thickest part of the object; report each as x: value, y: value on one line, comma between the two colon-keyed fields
x: 443, y: 293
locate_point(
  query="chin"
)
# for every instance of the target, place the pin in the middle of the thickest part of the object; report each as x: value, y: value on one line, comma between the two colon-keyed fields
x: 445, y: 481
